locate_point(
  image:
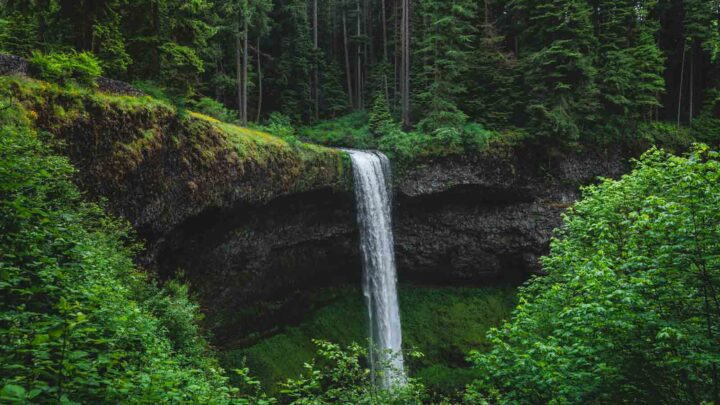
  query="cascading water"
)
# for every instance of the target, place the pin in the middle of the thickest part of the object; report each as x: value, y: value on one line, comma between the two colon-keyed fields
x: 372, y: 193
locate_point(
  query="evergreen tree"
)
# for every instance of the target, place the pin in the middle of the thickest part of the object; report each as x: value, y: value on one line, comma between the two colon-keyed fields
x: 381, y: 121
x: 494, y: 94
x: 557, y: 65
x: 333, y: 99
x: 447, y: 44
x: 165, y: 41
x: 629, y: 64
x: 295, y: 64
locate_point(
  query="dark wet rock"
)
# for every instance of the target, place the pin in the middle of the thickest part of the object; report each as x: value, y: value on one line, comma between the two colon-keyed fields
x: 10, y: 65
x: 117, y: 87
x: 477, y: 219
x: 457, y: 220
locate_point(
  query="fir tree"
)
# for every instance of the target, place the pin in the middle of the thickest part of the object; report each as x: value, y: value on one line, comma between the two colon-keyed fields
x: 295, y: 64
x: 381, y: 121
x: 557, y: 65
x: 447, y: 47
x: 629, y: 64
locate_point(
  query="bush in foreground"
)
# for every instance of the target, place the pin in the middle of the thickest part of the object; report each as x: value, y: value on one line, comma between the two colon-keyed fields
x: 630, y: 310
x: 78, y: 322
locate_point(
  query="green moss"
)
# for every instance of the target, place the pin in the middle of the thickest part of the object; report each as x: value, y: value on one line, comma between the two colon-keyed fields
x: 443, y: 323
x: 124, y: 132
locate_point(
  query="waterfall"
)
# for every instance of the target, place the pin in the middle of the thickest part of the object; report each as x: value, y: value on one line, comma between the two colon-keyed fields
x: 373, y: 195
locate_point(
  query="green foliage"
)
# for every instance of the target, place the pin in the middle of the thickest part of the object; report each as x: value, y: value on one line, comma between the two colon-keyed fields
x: 706, y: 127
x: 215, y: 109
x: 79, y: 323
x: 180, y: 68
x: 295, y: 62
x: 443, y: 323
x: 333, y: 98
x: 18, y: 34
x: 495, y: 95
x: 339, y: 377
x: 666, y: 135
x: 381, y: 121
x: 558, y: 67
x: 281, y: 126
x: 630, y: 64
x: 447, y: 46
x: 628, y: 311
x: 82, y: 68
x: 350, y: 131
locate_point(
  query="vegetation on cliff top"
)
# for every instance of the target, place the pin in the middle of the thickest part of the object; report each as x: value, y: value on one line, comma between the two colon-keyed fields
x: 560, y: 71
x: 126, y: 132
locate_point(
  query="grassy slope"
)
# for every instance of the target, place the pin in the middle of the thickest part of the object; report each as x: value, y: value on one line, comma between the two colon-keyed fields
x: 444, y: 323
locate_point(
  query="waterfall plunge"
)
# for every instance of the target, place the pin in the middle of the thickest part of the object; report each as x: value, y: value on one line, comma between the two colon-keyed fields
x: 372, y: 193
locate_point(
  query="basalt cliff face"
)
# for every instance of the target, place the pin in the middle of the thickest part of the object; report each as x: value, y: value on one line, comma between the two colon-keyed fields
x: 256, y: 224
x: 457, y: 220
x: 489, y: 217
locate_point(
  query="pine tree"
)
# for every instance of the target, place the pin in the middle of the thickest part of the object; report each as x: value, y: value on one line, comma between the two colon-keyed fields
x: 629, y: 64
x: 295, y: 64
x: 557, y: 65
x: 494, y: 94
x: 381, y: 121
x: 448, y: 45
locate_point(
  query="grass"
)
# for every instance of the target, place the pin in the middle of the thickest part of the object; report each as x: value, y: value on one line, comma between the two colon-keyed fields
x: 444, y: 323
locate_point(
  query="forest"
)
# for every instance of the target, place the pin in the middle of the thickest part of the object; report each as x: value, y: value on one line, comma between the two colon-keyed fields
x: 250, y: 201
x: 555, y: 70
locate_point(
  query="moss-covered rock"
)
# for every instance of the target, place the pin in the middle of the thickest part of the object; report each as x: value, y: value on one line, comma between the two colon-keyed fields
x: 177, y: 175
x: 158, y: 167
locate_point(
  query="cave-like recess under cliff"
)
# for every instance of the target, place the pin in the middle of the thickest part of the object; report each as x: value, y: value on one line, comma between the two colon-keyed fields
x: 256, y: 225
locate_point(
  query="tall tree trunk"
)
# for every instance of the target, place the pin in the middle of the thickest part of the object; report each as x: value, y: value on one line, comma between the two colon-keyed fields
x: 238, y: 69
x: 347, y: 59
x: 692, y: 79
x: 155, y: 69
x: 487, y: 14
x: 316, y: 83
x: 246, y: 56
x: 405, y: 90
x: 682, y: 74
x: 397, y: 49
x: 384, y: 30
x: 358, y: 67
x: 260, y: 83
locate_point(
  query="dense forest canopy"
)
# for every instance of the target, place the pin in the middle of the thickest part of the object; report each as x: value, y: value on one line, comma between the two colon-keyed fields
x: 563, y: 68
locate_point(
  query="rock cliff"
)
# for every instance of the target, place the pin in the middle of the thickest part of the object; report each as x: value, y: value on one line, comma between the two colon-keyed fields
x: 256, y: 224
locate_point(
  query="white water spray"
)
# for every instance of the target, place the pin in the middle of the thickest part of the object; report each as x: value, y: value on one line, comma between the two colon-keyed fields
x: 372, y: 193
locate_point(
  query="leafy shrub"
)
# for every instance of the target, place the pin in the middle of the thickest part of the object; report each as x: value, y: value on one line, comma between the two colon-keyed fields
x: 215, y: 109
x: 78, y: 323
x: 340, y: 377
x: 666, y: 135
x: 628, y: 311
x: 349, y: 131
x: 706, y: 127
x: 82, y: 68
x: 280, y: 125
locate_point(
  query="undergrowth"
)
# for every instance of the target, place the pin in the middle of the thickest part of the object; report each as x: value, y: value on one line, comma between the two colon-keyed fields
x: 443, y: 323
